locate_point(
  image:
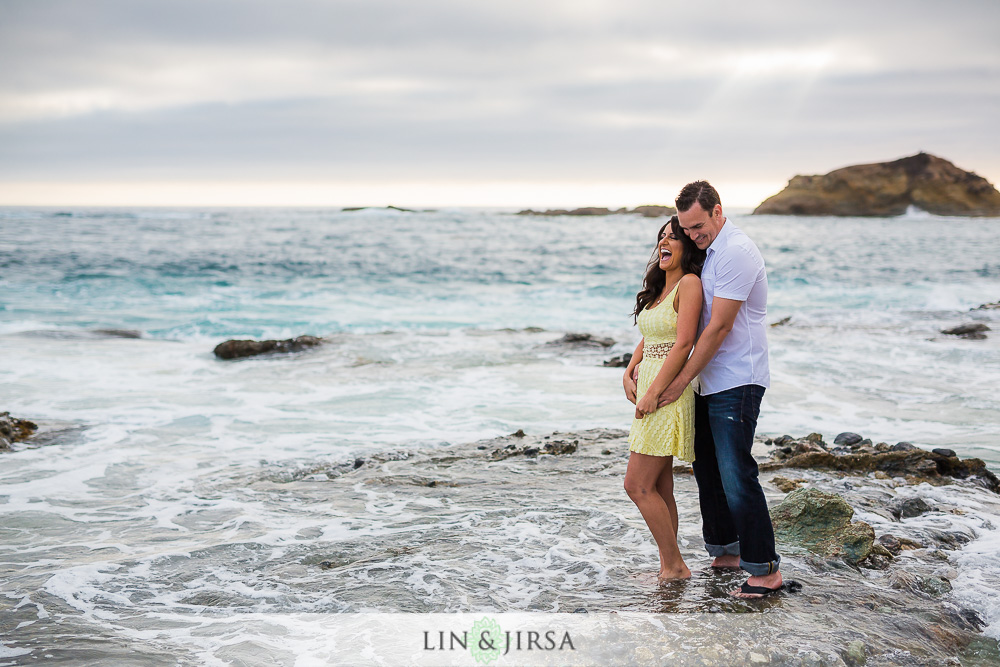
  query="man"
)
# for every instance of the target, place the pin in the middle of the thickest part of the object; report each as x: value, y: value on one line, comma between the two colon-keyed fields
x: 731, y: 356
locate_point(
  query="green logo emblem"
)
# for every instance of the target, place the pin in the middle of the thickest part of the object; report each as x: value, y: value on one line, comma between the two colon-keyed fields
x: 486, y: 641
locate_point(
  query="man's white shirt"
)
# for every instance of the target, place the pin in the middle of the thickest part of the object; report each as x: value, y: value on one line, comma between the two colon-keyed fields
x: 734, y: 269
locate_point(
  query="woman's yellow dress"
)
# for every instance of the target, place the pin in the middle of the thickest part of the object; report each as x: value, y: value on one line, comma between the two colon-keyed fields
x: 670, y: 430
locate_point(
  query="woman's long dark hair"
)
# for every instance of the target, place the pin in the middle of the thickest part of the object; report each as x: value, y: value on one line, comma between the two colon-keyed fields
x: 655, y: 279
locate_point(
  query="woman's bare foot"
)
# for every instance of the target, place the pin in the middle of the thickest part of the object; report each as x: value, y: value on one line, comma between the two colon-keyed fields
x: 681, y: 572
x: 726, y: 562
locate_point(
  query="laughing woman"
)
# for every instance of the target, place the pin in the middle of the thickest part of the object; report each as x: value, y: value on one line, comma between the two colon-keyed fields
x: 667, y: 310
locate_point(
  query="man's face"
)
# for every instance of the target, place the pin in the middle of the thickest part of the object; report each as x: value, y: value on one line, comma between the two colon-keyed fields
x: 700, y: 225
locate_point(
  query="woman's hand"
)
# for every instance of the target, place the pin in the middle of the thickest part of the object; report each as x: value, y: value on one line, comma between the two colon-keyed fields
x: 647, y: 405
x: 629, y: 385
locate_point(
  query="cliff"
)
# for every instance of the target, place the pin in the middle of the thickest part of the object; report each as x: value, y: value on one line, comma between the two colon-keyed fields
x: 928, y: 182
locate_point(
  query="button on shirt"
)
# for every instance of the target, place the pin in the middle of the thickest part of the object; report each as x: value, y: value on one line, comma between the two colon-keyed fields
x: 734, y: 269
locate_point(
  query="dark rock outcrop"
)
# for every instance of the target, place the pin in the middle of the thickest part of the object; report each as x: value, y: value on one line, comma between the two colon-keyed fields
x: 821, y: 522
x: 14, y: 430
x: 911, y: 463
x: 988, y: 306
x: 647, y: 211
x: 581, y: 340
x: 974, y: 331
x: 928, y: 182
x: 621, y: 361
x: 237, y: 349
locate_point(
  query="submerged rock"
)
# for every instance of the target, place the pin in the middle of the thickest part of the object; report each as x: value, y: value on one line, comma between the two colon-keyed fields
x: 621, y: 361
x: 237, y: 349
x: 554, y: 448
x: 821, y: 522
x: 925, y: 181
x: 901, y: 460
x: 974, y: 331
x: 647, y: 211
x: 988, y: 306
x: 578, y: 340
x: 14, y: 430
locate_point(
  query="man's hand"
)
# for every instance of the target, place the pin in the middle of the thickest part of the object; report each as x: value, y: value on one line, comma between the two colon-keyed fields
x: 630, y: 388
x: 669, y: 395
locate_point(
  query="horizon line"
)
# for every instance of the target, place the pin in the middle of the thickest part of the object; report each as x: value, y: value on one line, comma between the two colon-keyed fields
x: 410, y: 194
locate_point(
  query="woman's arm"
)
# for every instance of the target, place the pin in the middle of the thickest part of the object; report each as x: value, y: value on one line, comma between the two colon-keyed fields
x: 628, y: 381
x: 688, y: 302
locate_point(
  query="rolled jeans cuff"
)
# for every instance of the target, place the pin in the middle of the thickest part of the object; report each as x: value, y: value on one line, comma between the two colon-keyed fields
x: 716, y: 550
x: 760, y: 569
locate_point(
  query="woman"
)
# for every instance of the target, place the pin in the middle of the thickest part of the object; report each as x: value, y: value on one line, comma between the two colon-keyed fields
x: 667, y: 310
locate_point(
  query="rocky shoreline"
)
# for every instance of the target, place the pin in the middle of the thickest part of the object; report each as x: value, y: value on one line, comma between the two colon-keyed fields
x: 873, y: 532
x: 877, y: 534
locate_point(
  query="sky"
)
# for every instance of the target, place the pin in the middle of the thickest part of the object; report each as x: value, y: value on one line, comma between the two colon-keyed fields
x: 476, y: 103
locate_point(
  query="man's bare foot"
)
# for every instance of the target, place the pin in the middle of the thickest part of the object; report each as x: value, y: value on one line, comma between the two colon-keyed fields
x: 772, y: 582
x: 681, y: 572
x: 725, y: 562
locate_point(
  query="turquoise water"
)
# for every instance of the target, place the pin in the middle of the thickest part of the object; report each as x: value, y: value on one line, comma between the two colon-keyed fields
x: 862, y: 351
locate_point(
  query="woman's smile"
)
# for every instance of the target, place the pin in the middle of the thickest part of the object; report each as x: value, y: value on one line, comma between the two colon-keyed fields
x: 670, y: 250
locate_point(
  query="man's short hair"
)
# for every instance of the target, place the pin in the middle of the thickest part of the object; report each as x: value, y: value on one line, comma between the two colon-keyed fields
x: 699, y: 191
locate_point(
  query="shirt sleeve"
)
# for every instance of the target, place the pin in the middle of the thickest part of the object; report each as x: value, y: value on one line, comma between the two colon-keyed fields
x: 736, y: 273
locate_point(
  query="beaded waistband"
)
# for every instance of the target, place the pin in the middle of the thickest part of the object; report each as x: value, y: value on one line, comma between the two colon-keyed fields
x: 657, y: 350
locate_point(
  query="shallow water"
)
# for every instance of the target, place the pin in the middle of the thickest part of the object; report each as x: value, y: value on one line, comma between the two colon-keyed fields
x: 451, y: 530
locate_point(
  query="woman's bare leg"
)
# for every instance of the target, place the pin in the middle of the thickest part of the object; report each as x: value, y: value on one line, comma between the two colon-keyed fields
x: 665, y: 487
x: 641, y: 479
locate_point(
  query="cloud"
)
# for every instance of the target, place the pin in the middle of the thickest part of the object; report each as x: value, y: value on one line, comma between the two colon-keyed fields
x: 594, y: 90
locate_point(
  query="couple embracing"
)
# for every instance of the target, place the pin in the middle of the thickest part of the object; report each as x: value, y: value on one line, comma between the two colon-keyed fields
x: 701, y: 312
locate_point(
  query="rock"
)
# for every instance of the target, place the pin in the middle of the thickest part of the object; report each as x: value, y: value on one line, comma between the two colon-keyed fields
x: 237, y: 349
x: 119, y: 333
x: 847, y: 438
x: 988, y: 306
x: 855, y: 655
x: 903, y: 447
x: 934, y: 586
x: 909, y: 508
x: 554, y: 448
x: 821, y: 522
x: 917, y: 465
x: 941, y: 451
x: 582, y: 340
x: 385, y: 208
x: 653, y: 210
x: 519, y: 433
x: 783, y: 321
x: 968, y: 331
x: 786, y: 485
x: 891, y: 543
x: 14, y: 430
x: 621, y: 361
x: 647, y: 211
x: 925, y: 181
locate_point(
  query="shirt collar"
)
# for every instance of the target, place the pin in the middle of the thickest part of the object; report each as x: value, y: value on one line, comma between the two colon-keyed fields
x: 722, y: 240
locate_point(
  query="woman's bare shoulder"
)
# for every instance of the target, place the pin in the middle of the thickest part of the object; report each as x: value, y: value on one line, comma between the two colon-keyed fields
x: 690, y: 281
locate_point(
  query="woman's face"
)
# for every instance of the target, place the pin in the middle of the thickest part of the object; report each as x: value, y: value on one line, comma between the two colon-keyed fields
x: 670, y: 248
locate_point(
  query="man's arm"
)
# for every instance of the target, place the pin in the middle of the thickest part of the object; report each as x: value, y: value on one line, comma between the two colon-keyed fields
x: 724, y: 313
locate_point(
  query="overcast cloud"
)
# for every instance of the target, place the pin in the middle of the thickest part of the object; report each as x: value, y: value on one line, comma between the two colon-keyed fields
x: 380, y: 90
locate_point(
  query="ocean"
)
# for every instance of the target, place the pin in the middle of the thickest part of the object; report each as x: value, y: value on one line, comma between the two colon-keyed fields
x: 440, y: 329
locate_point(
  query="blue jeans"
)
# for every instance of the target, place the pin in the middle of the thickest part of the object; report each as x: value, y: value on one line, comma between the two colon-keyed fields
x: 734, y: 512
